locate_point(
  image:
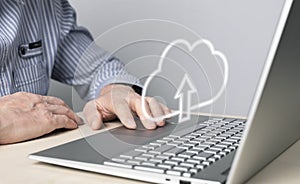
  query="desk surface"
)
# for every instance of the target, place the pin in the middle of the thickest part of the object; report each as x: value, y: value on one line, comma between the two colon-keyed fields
x: 17, y: 168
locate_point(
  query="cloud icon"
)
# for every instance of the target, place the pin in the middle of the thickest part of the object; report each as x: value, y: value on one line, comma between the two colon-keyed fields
x: 220, y: 57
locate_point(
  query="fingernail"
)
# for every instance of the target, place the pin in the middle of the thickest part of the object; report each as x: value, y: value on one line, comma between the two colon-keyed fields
x: 79, y: 121
x: 161, y: 123
x: 95, y: 124
x: 131, y: 124
x: 151, y: 125
x: 74, y: 124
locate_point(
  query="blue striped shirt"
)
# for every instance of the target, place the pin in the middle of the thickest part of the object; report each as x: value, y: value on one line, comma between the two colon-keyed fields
x: 67, y: 54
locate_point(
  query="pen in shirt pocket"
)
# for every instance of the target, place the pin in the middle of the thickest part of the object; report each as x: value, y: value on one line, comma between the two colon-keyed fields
x: 30, y: 49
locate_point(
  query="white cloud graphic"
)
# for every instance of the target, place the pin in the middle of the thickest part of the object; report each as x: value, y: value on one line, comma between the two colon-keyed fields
x: 217, y: 54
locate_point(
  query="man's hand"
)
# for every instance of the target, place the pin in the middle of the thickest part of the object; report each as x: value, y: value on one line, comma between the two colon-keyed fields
x: 121, y: 101
x: 25, y: 116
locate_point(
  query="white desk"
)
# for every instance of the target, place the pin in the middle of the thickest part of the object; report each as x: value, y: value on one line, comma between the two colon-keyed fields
x: 16, y: 168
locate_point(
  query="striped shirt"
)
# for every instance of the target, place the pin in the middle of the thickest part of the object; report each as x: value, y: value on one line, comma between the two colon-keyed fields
x: 66, y: 52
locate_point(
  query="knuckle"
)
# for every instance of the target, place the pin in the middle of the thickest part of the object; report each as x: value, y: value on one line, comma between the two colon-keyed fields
x: 68, y: 111
x: 38, y: 97
x: 60, y: 120
x: 63, y: 108
x: 151, y: 99
x: 64, y: 119
x: 137, y: 102
x: 21, y: 93
x: 58, y: 101
x: 46, y: 115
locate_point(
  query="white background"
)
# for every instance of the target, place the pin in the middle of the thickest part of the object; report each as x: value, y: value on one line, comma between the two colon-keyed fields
x: 243, y: 30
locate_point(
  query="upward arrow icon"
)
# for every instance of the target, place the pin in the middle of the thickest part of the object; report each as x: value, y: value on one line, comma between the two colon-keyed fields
x: 184, y: 94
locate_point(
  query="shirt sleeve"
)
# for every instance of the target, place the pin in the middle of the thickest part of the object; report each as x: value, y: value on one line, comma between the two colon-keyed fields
x: 80, y: 62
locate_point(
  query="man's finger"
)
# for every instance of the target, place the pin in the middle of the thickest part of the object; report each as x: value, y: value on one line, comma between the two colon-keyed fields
x: 63, y: 121
x: 143, y: 117
x: 124, y: 113
x: 53, y: 100
x: 165, y: 109
x: 156, y: 110
x: 63, y: 110
x: 92, y: 115
x: 30, y: 97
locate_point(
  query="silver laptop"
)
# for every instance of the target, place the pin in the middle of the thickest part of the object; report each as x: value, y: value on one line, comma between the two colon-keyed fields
x: 215, y: 149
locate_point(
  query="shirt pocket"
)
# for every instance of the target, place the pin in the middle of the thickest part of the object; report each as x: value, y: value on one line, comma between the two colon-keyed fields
x: 32, y: 79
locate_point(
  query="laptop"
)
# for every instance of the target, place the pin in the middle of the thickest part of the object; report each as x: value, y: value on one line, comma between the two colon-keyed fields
x: 215, y: 149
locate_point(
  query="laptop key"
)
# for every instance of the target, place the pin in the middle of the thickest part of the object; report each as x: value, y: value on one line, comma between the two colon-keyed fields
x: 213, y: 159
x: 174, y: 143
x: 150, y: 169
x: 219, y: 156
x: 187, y: 164
x: 187, y: 174
x: 136, y: 162
x: 166, y: 166
x: 141, y: 158
x: 207, y: 162
x: 194, y: 142
x: 181, y: 168
x: 119, y: 164
x: 203, y: 156
x: 130, y: 154
x: 195, y: 151
x: 229, y: 150
x: 186, y: 154
x: 219, y: 148
x: 184, y: 139
x: 233, y: 147
x: 174, y: 172
x: 156, y: 143
x: 164, y: 156
x: 163, y: 141
x: 148, y: 155
x: 194, y: 161
x: 225, y: 151
x: 150, y: 147
x: 232, y: 140
x: 195, y: 170
x: 235, y: 137
x: 149, y: 163
x: 161, y: 149
x: 172, y: 162
x: 211, y: 144
x: 201, y: 166
x: 201, y: 147
x: 174, y: 151
x: 222, y: 145
x: 183, y: 146
x: 158, y: 160
x: 181, y: 159
x: 144, y: 150
x: 212, y: 151
x: 119, y: 159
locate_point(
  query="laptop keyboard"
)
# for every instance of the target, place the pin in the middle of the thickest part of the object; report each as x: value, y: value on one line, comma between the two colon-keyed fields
x: 185, y: 153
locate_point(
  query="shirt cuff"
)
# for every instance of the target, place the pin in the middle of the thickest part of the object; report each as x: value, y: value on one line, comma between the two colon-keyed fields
x: 128, y: 80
